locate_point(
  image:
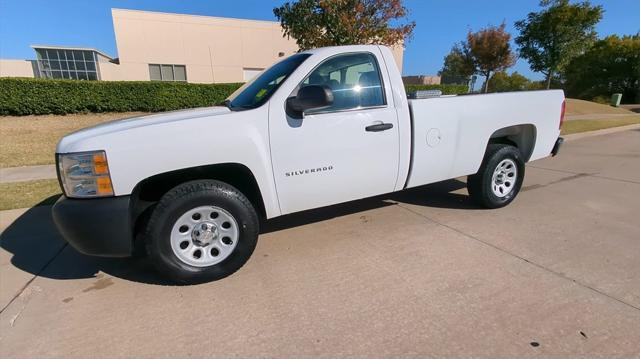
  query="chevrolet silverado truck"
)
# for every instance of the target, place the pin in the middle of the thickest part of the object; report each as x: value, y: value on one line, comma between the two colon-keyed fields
x: 318, y: 128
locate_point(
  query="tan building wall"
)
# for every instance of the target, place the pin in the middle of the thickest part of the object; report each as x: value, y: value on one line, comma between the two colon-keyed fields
x: 16, y: 68
x: 398, y: 55
x: 213, y: 49
x: 110, y: 71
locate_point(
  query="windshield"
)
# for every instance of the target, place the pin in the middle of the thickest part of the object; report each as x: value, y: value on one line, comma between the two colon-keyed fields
x: 258, y: 91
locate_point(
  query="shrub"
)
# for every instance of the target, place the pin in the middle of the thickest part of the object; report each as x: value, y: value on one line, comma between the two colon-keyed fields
x: 24, y: 96
x: 503, y: 82
x: 611, y: 66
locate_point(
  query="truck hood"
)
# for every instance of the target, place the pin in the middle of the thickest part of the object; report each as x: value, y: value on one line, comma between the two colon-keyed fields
x: 68, y: 141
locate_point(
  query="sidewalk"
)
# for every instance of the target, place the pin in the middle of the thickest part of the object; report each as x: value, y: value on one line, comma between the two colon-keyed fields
x: 632, y: 107
x: 596, y: 116
x: 604, y: 131
x: 27, y: 173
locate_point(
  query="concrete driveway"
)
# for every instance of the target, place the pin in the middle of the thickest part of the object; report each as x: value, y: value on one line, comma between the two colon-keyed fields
x: 423, y: 273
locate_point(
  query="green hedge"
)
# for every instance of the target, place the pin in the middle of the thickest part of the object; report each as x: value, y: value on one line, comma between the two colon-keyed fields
x: 23, y: 96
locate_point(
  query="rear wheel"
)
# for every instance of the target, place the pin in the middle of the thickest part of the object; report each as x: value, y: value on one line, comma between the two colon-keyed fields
x: 201, y: 231
x: 499, y: 178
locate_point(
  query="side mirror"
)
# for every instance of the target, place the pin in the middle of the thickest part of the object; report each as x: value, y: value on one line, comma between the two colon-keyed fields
x: 310, y: 97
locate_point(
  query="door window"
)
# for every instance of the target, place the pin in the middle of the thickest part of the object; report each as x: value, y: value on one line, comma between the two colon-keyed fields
x: 354, y: 80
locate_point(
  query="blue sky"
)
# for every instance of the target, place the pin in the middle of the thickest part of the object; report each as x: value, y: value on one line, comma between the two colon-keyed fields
x: 439, y: 23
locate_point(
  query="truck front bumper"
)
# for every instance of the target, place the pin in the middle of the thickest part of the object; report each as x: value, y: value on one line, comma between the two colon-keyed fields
x: 97, y: 226
x: 556, y: 147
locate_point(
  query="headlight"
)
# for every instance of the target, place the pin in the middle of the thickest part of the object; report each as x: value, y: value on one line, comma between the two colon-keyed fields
x: 85, y: 174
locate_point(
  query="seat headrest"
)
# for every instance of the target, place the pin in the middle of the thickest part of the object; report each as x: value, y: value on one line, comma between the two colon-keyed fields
x: 368, y: 78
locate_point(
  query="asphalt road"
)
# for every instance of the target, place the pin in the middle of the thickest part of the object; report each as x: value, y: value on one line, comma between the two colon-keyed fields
x: 423, y: 273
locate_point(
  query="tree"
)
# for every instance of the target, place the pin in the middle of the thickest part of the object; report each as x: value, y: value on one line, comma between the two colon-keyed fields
x: 318, y: 23
x: 503, y: 82
x: 489, y: 51
x: 611, y: 66
x: 458, y: 66
x: 549, y: 39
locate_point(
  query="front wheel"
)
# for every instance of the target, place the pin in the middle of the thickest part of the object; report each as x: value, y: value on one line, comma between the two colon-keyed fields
x: 499, y: 178
x: 201, y: 231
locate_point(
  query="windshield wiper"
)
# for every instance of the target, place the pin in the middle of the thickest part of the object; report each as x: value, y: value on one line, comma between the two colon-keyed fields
x: 226, y: 103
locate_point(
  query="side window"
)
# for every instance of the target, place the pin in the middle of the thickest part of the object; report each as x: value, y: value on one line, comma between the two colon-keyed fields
x: 354, y: 80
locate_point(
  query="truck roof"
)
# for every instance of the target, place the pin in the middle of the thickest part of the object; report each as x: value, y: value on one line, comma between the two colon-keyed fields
x: 341, y: 49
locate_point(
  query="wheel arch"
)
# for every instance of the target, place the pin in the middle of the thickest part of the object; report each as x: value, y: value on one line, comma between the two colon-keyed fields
x: 149, y: 191
x: 522, y: 136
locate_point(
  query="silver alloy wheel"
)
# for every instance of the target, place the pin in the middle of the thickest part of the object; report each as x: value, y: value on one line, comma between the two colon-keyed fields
x: 504, y: 178
x: 204, y: 236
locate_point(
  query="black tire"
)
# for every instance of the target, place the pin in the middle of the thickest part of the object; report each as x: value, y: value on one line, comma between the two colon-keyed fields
x: 183, y: 198
x: 480, y: 184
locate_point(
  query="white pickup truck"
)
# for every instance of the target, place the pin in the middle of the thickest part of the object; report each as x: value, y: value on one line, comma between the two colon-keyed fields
x: 320, y: 127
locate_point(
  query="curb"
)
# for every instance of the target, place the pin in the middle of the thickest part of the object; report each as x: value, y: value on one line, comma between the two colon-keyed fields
x: 605, y: 131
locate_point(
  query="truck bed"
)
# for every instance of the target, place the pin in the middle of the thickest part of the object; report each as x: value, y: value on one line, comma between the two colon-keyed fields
x: 450, y: 133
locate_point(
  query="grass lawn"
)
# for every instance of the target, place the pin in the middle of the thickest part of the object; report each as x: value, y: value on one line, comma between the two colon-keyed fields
x: 581, y: 107
x: 31, y: 140
x: 577, y: 126
x: 28, y: 194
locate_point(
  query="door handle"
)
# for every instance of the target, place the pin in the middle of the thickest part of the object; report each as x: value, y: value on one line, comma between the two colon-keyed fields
x: 379, y: 127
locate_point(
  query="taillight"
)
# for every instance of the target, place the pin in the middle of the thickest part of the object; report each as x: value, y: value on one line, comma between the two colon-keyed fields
x: 564, y: 105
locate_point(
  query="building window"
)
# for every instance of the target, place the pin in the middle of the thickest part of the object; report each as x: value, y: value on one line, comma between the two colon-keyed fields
x: 158, y: 72
x: 67, y: 64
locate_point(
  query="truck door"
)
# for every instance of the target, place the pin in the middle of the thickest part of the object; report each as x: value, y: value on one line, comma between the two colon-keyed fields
x: 343, y: 152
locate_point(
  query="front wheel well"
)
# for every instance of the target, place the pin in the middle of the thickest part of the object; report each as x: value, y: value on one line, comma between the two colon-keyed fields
x: 149, y: 191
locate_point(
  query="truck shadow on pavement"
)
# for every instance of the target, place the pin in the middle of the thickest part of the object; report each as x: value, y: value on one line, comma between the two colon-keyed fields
x: 436, y: 195
x: 37, y: 247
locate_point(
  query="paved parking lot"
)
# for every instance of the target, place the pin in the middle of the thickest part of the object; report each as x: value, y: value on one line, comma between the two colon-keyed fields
x: 422, y: 273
